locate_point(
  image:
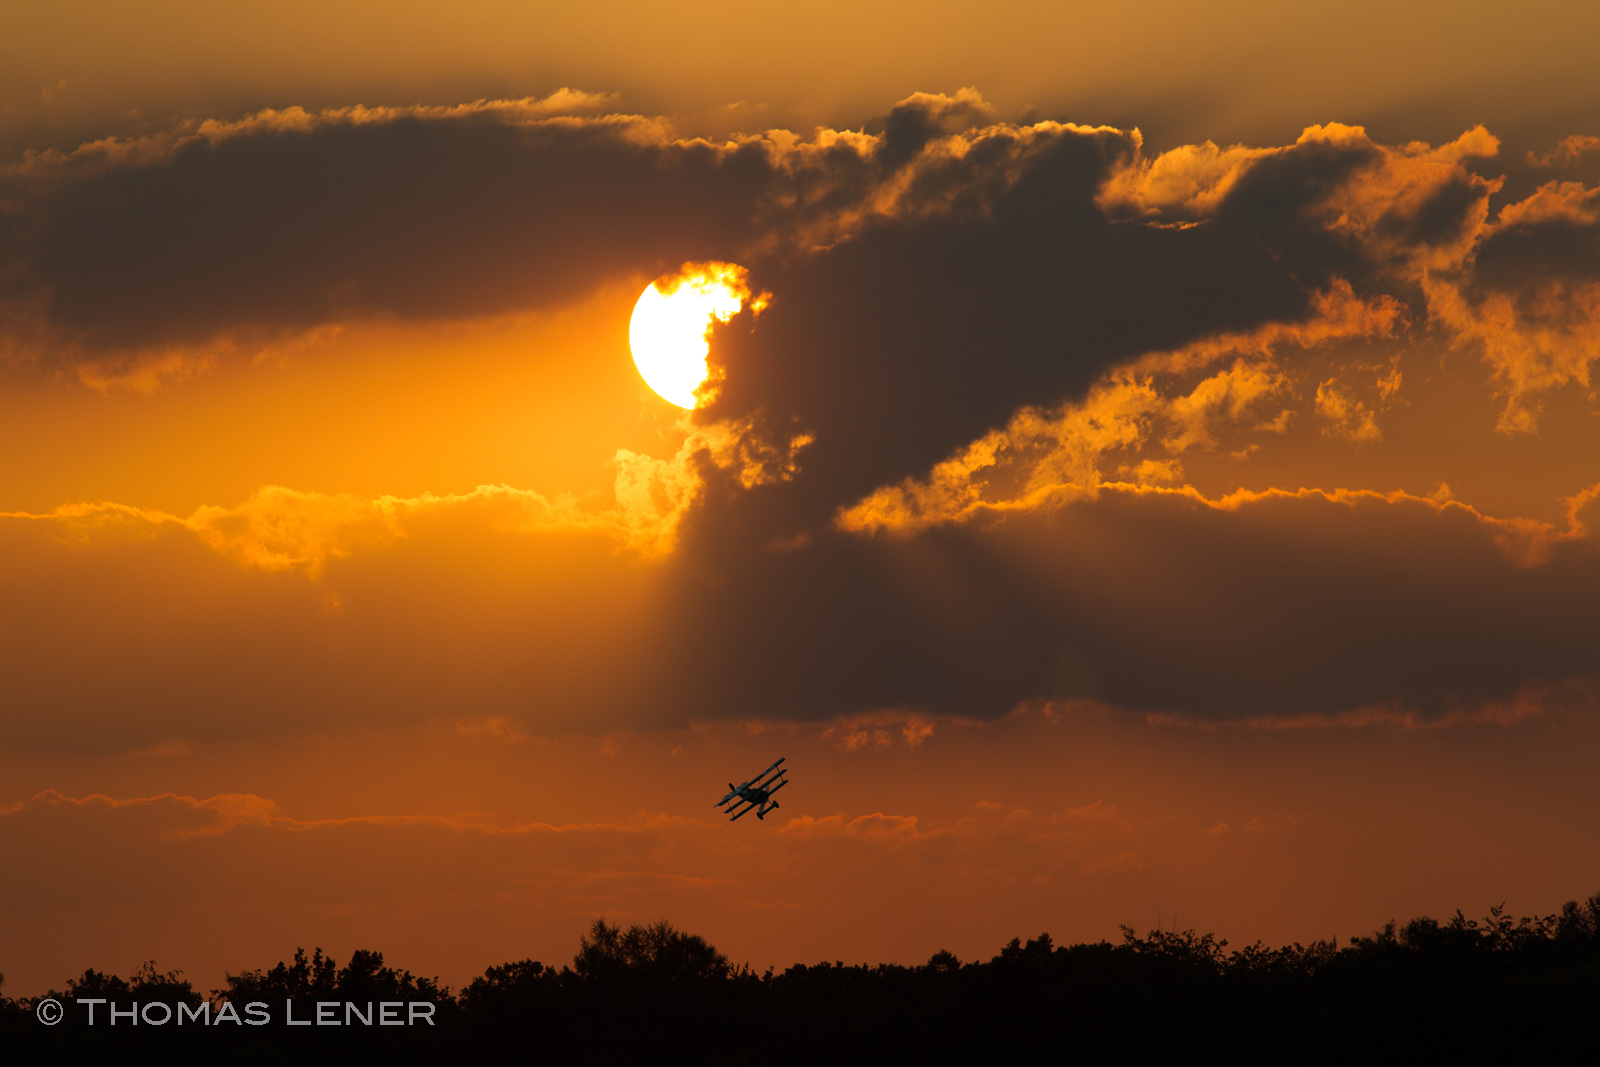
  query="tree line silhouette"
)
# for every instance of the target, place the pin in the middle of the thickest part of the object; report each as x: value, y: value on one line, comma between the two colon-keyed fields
x: 1465, y: 990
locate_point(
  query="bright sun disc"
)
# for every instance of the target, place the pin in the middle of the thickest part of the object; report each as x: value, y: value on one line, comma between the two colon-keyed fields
x: 672, y: 323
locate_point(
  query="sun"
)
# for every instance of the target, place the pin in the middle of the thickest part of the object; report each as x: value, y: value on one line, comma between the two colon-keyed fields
x: 672, y: 322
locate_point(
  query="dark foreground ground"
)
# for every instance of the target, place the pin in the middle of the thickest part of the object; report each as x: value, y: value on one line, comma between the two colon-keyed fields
x: 1495, y: 990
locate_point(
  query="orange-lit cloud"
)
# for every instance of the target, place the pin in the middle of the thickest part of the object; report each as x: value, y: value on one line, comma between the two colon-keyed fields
x: 1569, y: 151
x: 1531, y: 302
x: 1419, y: 214
x: 279, y: 528
x: 1048, y: 458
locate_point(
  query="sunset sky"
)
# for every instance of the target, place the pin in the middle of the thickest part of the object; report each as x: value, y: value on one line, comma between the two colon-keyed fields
x: 1152, y: 474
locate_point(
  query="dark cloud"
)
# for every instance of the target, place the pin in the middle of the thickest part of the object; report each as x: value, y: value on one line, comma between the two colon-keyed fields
x: 1278, y: 200
x: 287, y: 220
x: 917, y: 335
x: 282, y: 226
x: 1285, y: 606
x: 1524, y: 253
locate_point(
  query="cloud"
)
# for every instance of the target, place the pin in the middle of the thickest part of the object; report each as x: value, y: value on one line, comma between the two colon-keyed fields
x: 278, y: 528
x: 1531, y: 701
x: 1518, y: 286
x: 1346, y: 417
x: 138, y: 259
x: 929, y: 328
x: 1254, y: 606
x: 1092, y: 838
x: 968, y: 457
x: 1567, y: 152
x: 1149, y: 598
x: 1530, y: 299
x: 1334, y: 193
x: 1047, y: 458
x: 289, y: 219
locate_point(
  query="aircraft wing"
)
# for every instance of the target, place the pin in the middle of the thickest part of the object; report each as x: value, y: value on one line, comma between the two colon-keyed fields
x: 762, y: 781
x: 771, y: 780
x: 734, y: 790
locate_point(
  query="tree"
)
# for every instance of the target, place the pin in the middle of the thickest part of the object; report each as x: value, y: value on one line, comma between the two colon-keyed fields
x: 659, y: 952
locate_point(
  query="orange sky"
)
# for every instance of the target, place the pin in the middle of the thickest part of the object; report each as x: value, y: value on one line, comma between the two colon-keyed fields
x: 1104, y: 522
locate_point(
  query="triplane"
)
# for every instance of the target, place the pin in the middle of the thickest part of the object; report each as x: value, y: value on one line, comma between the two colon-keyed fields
x: 757, y: 793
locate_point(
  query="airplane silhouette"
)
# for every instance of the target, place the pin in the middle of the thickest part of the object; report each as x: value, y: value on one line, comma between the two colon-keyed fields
x: 757, y: 793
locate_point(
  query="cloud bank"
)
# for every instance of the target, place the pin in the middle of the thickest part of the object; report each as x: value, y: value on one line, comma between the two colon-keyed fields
x: 1034, y: 414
